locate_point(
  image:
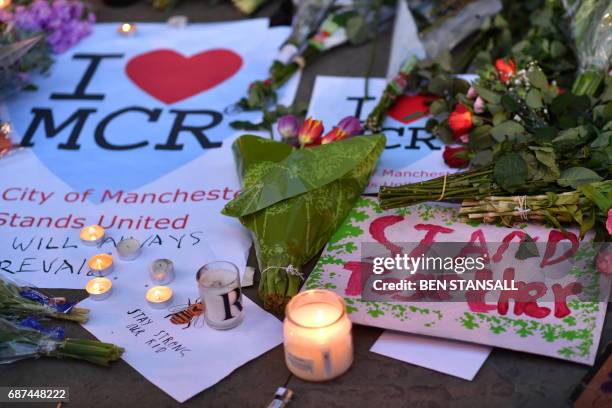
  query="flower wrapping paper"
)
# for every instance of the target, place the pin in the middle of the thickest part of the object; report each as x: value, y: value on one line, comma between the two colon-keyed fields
x: 295, y: 199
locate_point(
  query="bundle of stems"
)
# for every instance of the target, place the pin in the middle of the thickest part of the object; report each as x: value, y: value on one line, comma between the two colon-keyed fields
x: 581, y: 206
x: 472, y: 184
x: 12, y: 303
x: 17, y: 343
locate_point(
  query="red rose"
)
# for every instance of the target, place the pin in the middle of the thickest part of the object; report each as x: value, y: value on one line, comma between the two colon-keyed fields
x: 506, y: 70
x: 455, y: 157
x: 460, y: 121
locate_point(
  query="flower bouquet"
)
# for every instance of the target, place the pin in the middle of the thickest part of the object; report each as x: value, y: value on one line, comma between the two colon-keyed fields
x: 23, y: 301
x: 30, y: 31
x: 315, y: 33
x: 295, y: 199
x: 18, y: 342
x: 568, y: 41
x: 522, y: 135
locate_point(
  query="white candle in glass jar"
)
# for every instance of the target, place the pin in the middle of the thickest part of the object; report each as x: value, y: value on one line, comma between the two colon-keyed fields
x: 219, y: 286
x: 317, y: 336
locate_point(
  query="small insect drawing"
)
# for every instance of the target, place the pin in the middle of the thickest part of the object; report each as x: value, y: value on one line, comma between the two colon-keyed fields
x: 188, y: 314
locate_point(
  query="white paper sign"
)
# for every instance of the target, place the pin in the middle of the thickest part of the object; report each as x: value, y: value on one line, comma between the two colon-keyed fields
x: 412, y: 154
x: 131, y: 133
x: 183, y: 358
x: 456, y: 358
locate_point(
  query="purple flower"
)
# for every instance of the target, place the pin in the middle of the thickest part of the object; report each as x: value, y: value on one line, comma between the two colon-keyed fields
x: 346, y: 128
x: 350, y: 125
x: 65, y: 22
x: 288, y: 126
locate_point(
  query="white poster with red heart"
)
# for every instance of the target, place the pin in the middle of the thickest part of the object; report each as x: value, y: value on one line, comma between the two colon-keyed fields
x: 131, y: 133
x: 412, y: 154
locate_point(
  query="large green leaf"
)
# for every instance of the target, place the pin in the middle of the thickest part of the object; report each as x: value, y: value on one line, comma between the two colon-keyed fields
x: 510, y: 172
x: 304, y: 170
x: 577, y: 176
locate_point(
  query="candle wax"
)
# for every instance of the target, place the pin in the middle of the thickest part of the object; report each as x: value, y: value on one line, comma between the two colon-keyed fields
x: 316, y: 315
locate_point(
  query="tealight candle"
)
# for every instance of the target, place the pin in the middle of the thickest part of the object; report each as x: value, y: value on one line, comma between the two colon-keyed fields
x: 162, y: 271
x: 92, y: 235
x: 101, y: 264
x: 159, y: 297
x: 219, y: 286
x: 128, y: 249
x: 99, y: 288
x: 127, y: 29
x: 317, y: 336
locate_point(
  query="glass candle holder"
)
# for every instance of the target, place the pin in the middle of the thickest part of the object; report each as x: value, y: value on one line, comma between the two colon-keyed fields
x: 219, y: 286
x: 317, y: 336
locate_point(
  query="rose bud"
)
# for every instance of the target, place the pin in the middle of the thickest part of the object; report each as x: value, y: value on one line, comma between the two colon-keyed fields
x: 603, y: 262
x: 460, y: 120
x: 471, y: 93
x: 310, y: 132
x: 455, y: 157
x: 479, y: 105
x: 505, y: 70
x: 288, y: 126
x: 609, y: 222
x: 346, y: 128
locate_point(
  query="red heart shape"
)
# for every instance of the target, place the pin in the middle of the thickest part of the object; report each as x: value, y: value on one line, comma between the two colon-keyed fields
x: 405, y: 106
x: 171, y: 77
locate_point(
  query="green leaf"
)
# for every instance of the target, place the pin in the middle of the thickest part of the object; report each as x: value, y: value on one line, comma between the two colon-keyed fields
x: 527, y: 249
x: 499, y: 117
x: 507, y: 130
x: 602, y: 140
x: 510, y: 172
x: 509, y: 103
x: 577, y: 176
x: 480, y: 138
x: 601, y: 201
x: 487, y: 95
x: 537, y: 78
x: 561, y: 103
x: 482, y: 158
x: 534, y: 99
x: 437, y: 107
